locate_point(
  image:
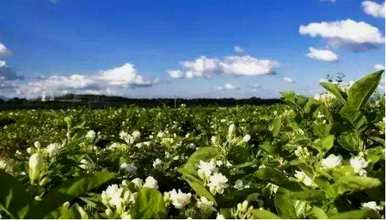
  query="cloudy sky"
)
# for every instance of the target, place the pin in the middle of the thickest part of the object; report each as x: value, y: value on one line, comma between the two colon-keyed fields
x: 190, y: 48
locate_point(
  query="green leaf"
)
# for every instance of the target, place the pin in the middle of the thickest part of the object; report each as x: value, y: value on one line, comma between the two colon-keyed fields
x: 351, y: 141
x: 68, y: 191
x: 358, y: 95
x: 197, y: 185
x: 325, y: 144
x: 204, y: 154
x: 149, y: 204
x: 284, y: 204
x: 355, y: 183
x: 357, y: 214
x: 318, y: 213
x: 335, y: 90
x: 263, y: 214
x: 276, y: 177
x: 14, y: 199
x: 275, y: 126
x: 375, y: 154
x: 189, y: 170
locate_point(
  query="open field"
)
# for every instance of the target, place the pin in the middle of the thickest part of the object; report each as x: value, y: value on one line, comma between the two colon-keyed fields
x: 312, y: 157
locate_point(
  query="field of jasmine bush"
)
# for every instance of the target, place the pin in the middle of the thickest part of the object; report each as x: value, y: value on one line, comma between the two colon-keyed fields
x: 312, y: 157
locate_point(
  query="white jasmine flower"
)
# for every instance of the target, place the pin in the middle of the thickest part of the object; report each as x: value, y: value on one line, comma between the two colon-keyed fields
x: 91, y: 135
x: 35, y: 166
x: 302, y: 177
x: 331, y: 161
x: 157, y: 162
x: 129, y: 168
x: 136, y: 135
x: 53, y: 149
x: 372, y: 205
x: 138, y: 182
x: 219, y: 217
x: 204, y: 204
x: 205, y: 169
x: 231, y: 132
x: 112, y: 196
x: 217, y: 183
x: 3, y: 165
x: 179, y: 199
x: 246, y: 138
x: 358, y: 163
x: 150, y: 182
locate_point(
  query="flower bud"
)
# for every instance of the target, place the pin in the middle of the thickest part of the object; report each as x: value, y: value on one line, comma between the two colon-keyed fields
x: 35, y: 164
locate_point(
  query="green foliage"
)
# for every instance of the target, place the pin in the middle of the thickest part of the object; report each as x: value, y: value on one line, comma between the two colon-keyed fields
x: 320, y: 157
x: 149, y: 204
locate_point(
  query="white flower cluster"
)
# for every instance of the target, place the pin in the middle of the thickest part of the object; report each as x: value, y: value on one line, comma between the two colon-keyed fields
x: 208, y: 172
x: 372, y: 205
x: 302, y: 153
x: 243, y: 211
x: 359, y: 164
x: 331, y: 161
x: 304, y: 178
x: 177, y: 198
x: 130, y: 138
x: 118, y: 199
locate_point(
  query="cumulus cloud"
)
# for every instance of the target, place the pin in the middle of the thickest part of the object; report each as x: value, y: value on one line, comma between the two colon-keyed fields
x: 2, y: 63
x: 175, y: 74
x: 345, y: 32
x: 379, y: 67
x: 228, y: 86
x: 107, y: 81
x: 204, y: 67
x: 7, y: 73
x: 288, y: 79
x: 374, y: 9
x: 238, y: 49
x: 3, y: 49
x: 322, y: 55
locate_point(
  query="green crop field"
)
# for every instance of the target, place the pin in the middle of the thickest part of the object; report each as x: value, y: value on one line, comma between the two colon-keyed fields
x: 312, y: 157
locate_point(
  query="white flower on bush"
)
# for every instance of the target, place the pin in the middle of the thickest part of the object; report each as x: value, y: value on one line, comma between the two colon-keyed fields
x: 231, y: 132
x: 204, y: 204
x: 302, y: 152
x: 219, y: 216
x: 150, y: 182
x: 358, y: 163
x: 246, y: 138
x: 53, y: 149
x: 304, y: 178
x: 36, y: 165
x: 128, y: 167
x: 136, y: 135
x: 3, y: 165
x: 179, y: 199
x: 217, y: 183
x: 331, y: 161
x: 91, y: 135
x: 372, y: 205
x: 112, y: 196
x: 138, y: 182
x: 205, y: 169
x: 157, y: 162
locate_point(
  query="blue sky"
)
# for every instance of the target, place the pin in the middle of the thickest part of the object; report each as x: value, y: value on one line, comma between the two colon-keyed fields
x: 126, y: 48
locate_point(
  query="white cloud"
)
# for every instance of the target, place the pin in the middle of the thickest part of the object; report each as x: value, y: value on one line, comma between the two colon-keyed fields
x: 107, y: 81
x: 3, y: 49
x: 175, y: 74
x: 238, y: 49
x: 288, y: 79
x: 228, y: 86
x: 122, y: 76
x: 2, y: 63
x: 247, y: 66
x: 374, y: 9
x: 322, y: 55
x: 379, y: 67
x: 346, y: 32
x: 204, y: 67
